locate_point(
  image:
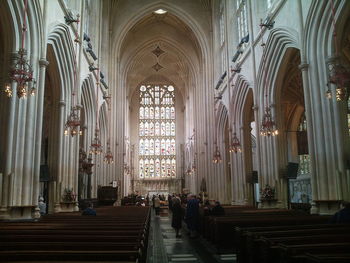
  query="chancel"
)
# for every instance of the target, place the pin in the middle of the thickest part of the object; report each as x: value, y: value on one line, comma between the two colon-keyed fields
x: 129, y: 107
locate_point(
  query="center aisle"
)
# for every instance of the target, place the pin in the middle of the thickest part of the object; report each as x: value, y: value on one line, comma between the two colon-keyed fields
x: 164, y: 247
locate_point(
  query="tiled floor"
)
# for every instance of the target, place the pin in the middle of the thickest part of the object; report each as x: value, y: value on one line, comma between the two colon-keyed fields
x: 164, y: 247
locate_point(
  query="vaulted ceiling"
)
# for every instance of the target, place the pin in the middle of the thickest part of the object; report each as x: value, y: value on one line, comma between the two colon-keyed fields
x: 181, y: 58
x: 180, y: 51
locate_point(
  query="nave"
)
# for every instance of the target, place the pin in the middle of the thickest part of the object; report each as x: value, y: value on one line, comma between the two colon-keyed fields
x: 165, y: 247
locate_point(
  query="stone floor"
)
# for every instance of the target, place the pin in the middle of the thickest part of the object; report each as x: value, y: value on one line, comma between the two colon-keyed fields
x: 164, y: 247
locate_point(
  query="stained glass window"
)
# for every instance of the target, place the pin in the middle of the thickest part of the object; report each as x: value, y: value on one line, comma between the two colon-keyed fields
x: 157, y: 131
x: 304, y: 159
x: 242, y: 21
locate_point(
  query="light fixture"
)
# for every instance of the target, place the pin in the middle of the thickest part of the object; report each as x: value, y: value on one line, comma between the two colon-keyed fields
x: 96, y: 146
x: 21, y: 72
x: 338, y: 75
x: 160, y: 11
x: 194, y: 166
x: 217, y: 155
x: 235, y: 144
x: 268, y: 23
x: 73, y: 123
x: 85, y: 164
x: 109, y: 155
x: 268, y: 126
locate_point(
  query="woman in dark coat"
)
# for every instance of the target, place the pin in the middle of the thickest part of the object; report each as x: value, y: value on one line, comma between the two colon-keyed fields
x: 176, y: 221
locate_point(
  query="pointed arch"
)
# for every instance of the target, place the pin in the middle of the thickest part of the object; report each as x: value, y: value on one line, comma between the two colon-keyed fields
x: 88, y: 99
x: 279, y: 40
x: 61, y: 50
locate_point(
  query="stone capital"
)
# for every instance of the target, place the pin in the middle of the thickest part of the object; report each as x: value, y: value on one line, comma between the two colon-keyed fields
x: 332, y: 60
x: 14, y: 57
x: 43, y: 62
x: 303, y: 66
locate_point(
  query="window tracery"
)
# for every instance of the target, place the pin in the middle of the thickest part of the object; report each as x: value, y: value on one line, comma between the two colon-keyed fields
x: 304, y: 159
x: 157, y: 131
x: 242, y: 20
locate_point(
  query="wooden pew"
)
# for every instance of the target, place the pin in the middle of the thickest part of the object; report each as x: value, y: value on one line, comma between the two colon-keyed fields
x: 263, y: 244
x: 114, y: 234
x: 295, y: 253
x: 224, y: 228
x: 326, y: 257
x: 251, y: 239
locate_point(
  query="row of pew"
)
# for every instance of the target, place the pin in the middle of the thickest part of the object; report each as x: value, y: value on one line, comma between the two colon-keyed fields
x: 277, y: 235
x: 117, y: 234
x: 317, y: 243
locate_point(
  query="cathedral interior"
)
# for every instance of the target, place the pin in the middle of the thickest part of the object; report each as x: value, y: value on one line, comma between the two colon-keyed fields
x: 245, y: 102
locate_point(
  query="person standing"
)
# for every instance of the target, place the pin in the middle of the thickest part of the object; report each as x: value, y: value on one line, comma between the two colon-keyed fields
x: 170, y: 202
x: 176, y: 221
x: 156, y: 204
x: 217, y: 210
x: 153, y: 197
x: 192, y: 215
x: 343, y: 215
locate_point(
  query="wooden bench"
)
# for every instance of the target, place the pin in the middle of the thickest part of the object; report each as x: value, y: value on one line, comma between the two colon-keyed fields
x: 114, y: 235
x: 265, y: 242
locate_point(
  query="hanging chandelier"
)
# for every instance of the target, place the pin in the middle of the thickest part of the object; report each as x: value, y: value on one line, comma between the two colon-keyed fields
x: 109, y: 155
x: 96, y: 146
x: 338, y: 75
x: 85, y: 162
x: 21, y: 71
x: 235, y: 144
x: 268, y: 126
x: 73, y: 123
x: 89, y: 164
x: 217, y: 155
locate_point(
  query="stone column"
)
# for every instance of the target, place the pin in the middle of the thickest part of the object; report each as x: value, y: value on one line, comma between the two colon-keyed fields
x: 43, y: 63
x: 304, y: 67
x: 60, y: 158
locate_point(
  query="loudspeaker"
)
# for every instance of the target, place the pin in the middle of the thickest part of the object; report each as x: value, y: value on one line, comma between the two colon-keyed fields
x: 44, y: 173
x: 292, y: 170
x: 255, y: 177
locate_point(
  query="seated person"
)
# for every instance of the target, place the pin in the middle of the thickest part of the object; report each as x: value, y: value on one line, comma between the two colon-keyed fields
x: 89, y: 211
x: 206, y: 208
x: 343, y: 215
x: 217, y: 210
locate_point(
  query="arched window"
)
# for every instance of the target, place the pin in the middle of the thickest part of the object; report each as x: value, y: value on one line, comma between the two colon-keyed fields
x: 304, y: 157
x: 157, y: 131
x: 222, y: 30
x: 242, y: 21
